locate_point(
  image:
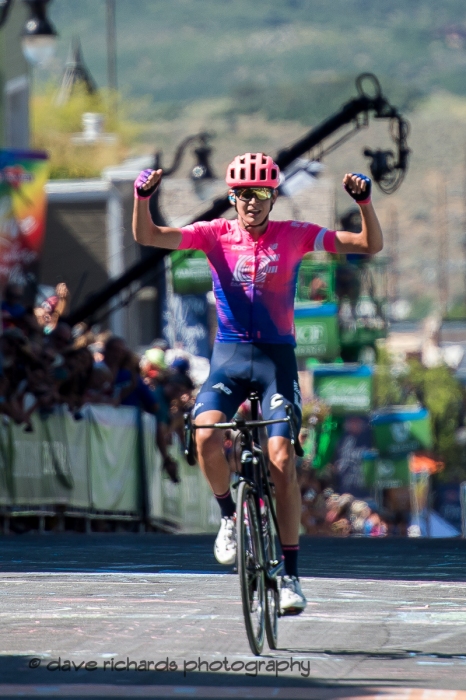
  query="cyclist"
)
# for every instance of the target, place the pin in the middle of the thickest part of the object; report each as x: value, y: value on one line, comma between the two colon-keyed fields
x: 254, y: 263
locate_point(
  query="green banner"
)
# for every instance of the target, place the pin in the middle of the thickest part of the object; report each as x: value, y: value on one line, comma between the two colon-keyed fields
x: 94, y: 464
x: 386, y: 473
x: 189, y: 504
x: 47, y: 466
x: 400, y: 430
x: 190, y: 273
x: 316, y: 330
x: 345, y: 392
x: 113, y: 459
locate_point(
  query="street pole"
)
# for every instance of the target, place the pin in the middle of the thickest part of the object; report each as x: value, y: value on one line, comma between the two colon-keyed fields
x: 443, y: 252
x: 112, y: 80
x: 393, y: 229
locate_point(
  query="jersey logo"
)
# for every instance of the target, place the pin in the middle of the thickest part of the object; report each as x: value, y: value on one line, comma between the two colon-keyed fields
x: 244, y: 269
x: 276, y: 401
x: 198, y: 405
x: 222, y: 387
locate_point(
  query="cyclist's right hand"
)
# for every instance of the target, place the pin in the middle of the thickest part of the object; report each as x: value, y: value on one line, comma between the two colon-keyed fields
x: 146, y: 183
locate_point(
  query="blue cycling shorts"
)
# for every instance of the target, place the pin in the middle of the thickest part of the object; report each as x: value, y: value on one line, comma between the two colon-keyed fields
x: 236, y: 369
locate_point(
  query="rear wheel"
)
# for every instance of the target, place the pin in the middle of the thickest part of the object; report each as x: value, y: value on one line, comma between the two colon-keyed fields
x: 250, y: 569
x: 272, y: 599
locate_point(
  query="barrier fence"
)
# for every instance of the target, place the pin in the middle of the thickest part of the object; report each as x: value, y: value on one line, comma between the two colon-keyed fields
x: 105, y: 465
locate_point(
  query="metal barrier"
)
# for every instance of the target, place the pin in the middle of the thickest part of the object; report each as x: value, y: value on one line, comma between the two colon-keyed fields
x: 104, y: 466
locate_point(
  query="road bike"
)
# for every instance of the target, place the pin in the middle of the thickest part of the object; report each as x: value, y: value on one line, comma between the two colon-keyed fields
x: 258, y: 563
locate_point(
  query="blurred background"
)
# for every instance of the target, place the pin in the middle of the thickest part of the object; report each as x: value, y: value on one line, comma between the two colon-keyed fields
x: 109, y: 87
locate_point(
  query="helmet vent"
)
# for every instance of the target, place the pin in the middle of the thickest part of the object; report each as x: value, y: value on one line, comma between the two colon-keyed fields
x: 253, y: 171
x: 274, y: 173
x: 263, y: 174
x: 242, y: 174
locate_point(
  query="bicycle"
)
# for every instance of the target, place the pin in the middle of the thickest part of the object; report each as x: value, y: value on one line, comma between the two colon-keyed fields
x: 257, y: 527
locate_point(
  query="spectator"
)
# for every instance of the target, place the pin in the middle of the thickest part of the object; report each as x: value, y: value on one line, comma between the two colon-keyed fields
x: 50, y: 311
x: 13, y: 308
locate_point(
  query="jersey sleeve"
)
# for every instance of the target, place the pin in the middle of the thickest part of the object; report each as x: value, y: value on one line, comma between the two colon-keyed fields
x: 199, y: 236
x: 313, y: 239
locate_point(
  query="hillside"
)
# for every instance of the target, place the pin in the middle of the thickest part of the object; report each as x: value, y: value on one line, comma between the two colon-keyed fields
x: 259, y: 73
x: 174, y: 51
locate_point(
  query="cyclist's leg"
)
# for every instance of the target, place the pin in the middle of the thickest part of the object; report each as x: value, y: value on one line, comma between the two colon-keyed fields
x: 281, y: 391
x: 218, y: 401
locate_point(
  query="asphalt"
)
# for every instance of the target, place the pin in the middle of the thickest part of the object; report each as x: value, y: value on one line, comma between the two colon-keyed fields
x: 153, y: 615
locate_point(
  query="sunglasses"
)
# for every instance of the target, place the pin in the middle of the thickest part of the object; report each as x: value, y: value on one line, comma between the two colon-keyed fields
x: 259, y: 193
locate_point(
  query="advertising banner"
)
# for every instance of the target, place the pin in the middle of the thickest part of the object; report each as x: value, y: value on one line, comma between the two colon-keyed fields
x: 190, y: 273
x: 47, y: 466
x: 316, y: 329
x: 344, y: 388
x: 115, y: 477
x: 23, y: 175
x: 399, y: 430
x: 189, y: 504
x: 386, y: 473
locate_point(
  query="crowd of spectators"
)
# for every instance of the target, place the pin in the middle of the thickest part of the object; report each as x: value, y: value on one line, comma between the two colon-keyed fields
x: 46, y: 363
x: 326, y: 513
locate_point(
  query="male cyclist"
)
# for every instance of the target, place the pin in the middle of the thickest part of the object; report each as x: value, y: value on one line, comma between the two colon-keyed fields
x: 254, y: 263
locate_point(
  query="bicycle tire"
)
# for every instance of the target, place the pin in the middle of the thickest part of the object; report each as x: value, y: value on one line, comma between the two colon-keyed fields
x: 272, y: 594
x: 250, y: 567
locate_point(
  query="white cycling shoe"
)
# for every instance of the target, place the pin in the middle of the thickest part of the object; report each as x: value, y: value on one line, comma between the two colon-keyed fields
x: 225, y: 544
x: 292, y: 599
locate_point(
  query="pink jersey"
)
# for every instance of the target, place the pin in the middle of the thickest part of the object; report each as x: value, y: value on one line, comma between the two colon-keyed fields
x: 255, y: 281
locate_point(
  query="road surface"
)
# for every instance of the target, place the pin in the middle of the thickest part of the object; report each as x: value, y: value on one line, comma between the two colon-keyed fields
x: 128, y: 615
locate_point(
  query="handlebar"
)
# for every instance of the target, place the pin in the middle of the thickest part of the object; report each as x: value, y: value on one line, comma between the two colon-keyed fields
x: 239, y: 424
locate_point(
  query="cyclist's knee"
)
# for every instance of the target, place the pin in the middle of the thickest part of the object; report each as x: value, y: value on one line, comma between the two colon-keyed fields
x: 209, y: 439
x: 281, y: 455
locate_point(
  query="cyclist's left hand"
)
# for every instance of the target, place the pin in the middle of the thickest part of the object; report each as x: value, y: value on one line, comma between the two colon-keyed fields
x: 358, y: 186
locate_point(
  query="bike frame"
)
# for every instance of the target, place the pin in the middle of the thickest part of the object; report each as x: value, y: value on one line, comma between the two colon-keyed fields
x: 254, y: 469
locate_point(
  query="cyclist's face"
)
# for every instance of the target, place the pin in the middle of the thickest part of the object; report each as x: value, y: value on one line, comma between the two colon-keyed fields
x: 253, y: 212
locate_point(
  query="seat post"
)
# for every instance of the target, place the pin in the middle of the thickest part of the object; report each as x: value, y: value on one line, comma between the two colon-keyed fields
x: 254, y: 399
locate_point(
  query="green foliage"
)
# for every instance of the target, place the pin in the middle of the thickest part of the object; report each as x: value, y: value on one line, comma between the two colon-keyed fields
x: 387, y: 386
x: 53, y: 126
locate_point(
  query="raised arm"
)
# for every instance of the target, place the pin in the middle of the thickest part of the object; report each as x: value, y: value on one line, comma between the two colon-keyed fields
x: 370, y: 239
x: 145, y: 231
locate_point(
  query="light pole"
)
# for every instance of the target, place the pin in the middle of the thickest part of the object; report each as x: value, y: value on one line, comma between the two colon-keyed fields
x: 39, y: 36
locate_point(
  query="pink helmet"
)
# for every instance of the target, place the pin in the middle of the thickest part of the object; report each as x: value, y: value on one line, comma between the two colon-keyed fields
x: 253, y: 170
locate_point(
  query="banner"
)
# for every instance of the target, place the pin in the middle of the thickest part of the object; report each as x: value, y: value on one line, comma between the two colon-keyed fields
x: 399, y: 430
x: 316, y: 329
x: 94, y: 464
x: 385, y: 473
x: 345, y: 388
x: 189, y: 504
x: 190, y: 272
x: 23, y: 175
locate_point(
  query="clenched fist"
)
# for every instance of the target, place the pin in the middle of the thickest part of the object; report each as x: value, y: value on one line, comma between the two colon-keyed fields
x: 358, y: 187
x: 146, y: 183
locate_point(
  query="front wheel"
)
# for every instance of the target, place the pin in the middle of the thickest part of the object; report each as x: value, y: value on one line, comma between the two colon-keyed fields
x: 272, y: 599
x: 250, y: 567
